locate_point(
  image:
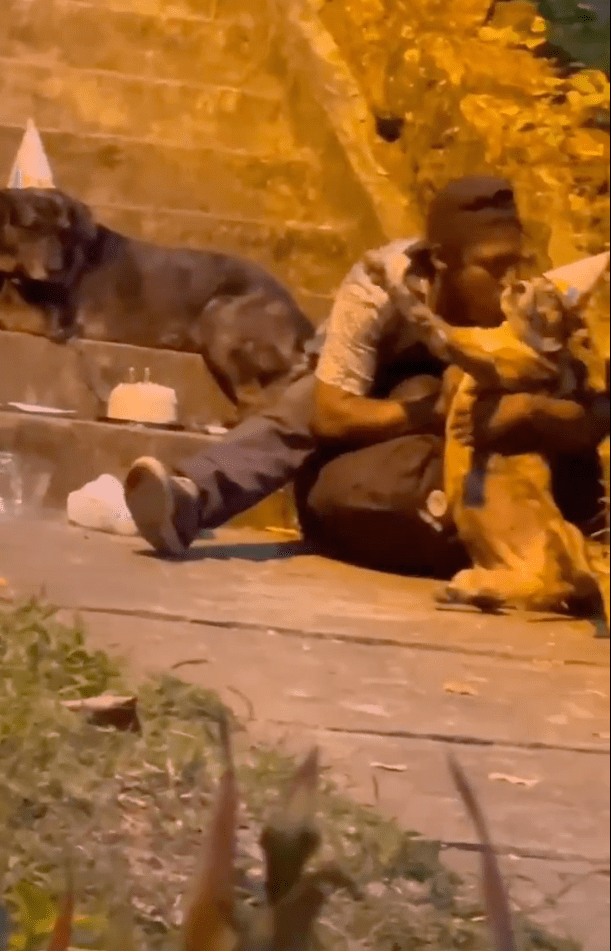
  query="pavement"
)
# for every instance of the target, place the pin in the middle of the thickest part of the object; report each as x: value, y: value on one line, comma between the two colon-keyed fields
x: 309, y: 650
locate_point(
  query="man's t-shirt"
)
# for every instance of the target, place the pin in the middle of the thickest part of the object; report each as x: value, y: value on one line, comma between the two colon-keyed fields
x: 362, y: 319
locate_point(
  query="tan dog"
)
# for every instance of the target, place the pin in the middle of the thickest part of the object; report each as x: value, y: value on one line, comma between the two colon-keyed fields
x: 524, y: 553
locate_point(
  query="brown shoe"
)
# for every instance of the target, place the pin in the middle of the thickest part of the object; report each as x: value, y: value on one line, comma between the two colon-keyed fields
x: 164, y: 507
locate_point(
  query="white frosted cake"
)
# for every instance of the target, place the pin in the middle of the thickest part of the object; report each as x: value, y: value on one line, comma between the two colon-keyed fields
x: 143, y: 403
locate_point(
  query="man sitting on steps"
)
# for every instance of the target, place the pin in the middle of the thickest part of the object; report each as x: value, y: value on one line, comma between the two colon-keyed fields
x: 361, y: 434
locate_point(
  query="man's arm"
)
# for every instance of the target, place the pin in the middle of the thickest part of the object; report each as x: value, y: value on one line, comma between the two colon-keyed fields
x: 519, y: 423
x: 360, y: 421
x: 343, y: 411
x: 570, y: 425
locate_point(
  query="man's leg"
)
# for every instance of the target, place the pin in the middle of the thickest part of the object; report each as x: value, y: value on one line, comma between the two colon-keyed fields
x: 262, y: 454
x: 383, y: 507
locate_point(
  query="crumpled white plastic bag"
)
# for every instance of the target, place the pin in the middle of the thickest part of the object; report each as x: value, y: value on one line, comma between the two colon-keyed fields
x: 100, y: 505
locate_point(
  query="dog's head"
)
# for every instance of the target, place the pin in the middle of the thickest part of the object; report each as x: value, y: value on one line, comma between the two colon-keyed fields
x: 39, y: 231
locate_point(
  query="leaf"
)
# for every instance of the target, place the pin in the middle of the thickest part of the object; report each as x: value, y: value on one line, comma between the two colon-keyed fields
x: 5, y: 928
x: 372, y: 709
x: 295, y: 915
x: 60, y: 939
x: 513, y: 780
x: 36, y: 913
x: 291, y: 837
x: 106, y: 710
x: 495, y: 894
x: 208, y: 920
x: 466, y: 690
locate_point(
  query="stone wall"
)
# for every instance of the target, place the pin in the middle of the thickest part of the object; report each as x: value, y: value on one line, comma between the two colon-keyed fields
x: 188, y: 122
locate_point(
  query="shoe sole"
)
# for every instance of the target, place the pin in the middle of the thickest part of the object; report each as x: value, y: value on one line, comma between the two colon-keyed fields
x: 149, y: 498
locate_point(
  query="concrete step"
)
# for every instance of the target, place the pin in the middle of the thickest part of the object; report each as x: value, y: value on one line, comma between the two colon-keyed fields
x: 101, y: 170
x: 221, y: 51
x: 39, y: 372
x: 177, y: 113
x: 74, y: 452
x: 195, y: 10
x: 192, y: 10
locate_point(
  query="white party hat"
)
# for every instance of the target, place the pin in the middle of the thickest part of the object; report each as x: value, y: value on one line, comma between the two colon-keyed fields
x: 576, y: 281
x: 31, y: 168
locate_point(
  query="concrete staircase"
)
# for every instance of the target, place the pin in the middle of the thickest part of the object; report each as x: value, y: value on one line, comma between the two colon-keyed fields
x: 182, y: 122
x: 186, y: 126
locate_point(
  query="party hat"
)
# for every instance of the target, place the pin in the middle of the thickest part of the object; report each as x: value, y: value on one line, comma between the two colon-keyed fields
x: 31, y: 168
x: 578, y: 280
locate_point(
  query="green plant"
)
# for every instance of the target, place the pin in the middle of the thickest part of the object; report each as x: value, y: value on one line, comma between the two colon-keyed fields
x: 124, y: 810
x: 293, y: 896
x: 580, y: 29
x: 472, y: 97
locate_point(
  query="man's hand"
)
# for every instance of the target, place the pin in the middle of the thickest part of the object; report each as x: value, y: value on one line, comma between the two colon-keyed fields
x: 462, y: 429
x: 344, y: 418
x: 523, y: 423
x: 494, y: 419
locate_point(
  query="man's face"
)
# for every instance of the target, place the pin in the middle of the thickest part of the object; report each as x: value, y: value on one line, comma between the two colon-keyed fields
x: 475, y: 284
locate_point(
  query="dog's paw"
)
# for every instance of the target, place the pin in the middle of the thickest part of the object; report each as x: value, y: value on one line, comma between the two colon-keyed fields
x: 460, y: 592
x: 59, y: 331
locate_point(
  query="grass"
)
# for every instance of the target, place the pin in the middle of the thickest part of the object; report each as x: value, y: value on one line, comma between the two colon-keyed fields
x: 126, y: 812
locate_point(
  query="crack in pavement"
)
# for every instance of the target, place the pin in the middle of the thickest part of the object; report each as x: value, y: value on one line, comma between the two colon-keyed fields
x: 301, y: 634
x: 523, y: 852
x: 464, y: 740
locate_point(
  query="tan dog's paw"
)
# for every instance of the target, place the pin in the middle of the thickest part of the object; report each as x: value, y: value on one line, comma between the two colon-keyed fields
x: 466, y: 588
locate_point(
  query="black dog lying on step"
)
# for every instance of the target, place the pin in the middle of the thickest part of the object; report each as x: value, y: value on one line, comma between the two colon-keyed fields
x: 92, y: 282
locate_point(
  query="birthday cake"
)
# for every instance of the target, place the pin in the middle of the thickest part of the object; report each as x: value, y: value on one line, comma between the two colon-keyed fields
x: 143, y: 403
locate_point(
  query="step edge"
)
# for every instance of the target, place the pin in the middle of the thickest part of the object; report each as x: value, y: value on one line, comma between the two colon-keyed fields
x: 303, y: 155
x: 148, y: 80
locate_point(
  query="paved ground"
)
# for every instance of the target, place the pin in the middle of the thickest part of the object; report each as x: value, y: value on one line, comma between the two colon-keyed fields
x: 362, y: 662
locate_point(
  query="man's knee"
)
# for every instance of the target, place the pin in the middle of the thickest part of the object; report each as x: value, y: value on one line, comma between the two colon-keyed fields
x: 371, y: 506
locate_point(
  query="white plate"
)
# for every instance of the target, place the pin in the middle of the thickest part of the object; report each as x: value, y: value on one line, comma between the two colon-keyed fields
x: 42, y: 410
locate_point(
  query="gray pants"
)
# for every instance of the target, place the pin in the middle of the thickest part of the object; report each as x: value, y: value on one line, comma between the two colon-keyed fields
x: 366, y: 505
x: 259, y: 456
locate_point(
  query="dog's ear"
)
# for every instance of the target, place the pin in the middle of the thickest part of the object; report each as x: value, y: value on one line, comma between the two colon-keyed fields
x: 23, y: 210
x: 73, y: 216
x: 46, y: 223
x: 7, y: 257
x: 39, y: 248
x: 82, y: 223
x: 5, y: 209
